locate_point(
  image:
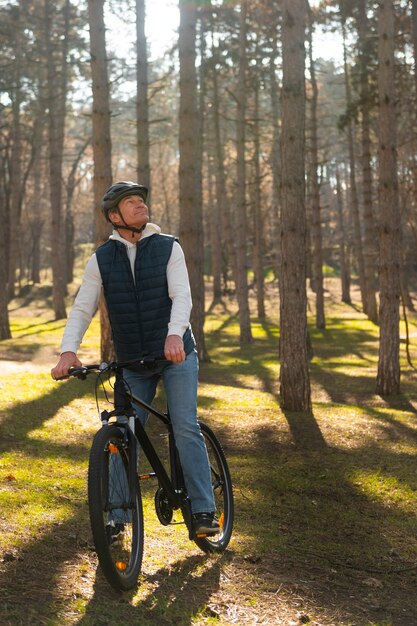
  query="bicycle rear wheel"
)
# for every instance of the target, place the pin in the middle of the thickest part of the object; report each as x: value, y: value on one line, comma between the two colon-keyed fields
x: 223, y: 494
x: 116, y: 515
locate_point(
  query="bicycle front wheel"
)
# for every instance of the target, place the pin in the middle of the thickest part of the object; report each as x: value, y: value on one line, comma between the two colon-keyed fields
x: 116, y: 514
x: 223, y: 494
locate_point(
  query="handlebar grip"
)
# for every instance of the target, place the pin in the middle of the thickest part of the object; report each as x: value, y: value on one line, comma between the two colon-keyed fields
x: 82, y: 371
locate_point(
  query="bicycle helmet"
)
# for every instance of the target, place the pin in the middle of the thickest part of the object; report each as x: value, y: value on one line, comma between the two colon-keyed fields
x: 120, y: 190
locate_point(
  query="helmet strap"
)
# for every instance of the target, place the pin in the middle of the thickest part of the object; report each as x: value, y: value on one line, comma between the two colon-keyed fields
x: 133, y: 229
x: 125, y: 226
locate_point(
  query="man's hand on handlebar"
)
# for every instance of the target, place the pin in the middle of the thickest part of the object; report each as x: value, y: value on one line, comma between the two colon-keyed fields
x: 67, y: 360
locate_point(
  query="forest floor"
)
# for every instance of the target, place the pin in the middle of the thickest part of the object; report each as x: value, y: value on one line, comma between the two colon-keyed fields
x: 326, y: 526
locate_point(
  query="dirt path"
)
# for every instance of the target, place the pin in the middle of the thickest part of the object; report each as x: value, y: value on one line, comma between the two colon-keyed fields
x: 42, y: 361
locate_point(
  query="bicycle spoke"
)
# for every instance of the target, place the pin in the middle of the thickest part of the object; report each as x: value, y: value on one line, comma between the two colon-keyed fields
x: 222, y: 491
x: 116, y: 515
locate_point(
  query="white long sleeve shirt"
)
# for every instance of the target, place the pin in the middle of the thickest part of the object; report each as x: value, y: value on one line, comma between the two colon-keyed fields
x: 86, y: 303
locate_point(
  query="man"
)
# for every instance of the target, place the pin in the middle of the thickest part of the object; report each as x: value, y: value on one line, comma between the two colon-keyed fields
x: 146, y: 288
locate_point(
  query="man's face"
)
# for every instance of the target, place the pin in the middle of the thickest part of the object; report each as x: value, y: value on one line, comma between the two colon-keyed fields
x: 134, y: 212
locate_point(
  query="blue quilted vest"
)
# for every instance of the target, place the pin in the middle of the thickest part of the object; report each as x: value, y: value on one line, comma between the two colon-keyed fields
x: 140, y: 310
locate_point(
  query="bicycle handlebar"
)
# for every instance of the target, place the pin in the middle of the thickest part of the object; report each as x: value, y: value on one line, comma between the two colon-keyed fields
x: 82, y: 372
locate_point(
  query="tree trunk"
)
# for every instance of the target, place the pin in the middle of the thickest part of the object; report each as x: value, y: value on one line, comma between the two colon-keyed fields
x: 4, y: 313
x: 370, y: 248
x: 258, y: 247
x: 414, y: 39
x: 354, y: 202
x: 343, y: 243
x: 201, y: 90
x: 37, y: 206
x: 294, y: 375
x: 316, y: 235
x: 221, y: 189
x: 413, y: 217
x: 405, y: 288
x: 56, y: 94
x: 69, y: 215
x: 16, y: 157
x: 214, y: 199
x: 241, y: 218
x: 275, y: 155
x: 215, y: 237
x: 142, y: 113
x: 191, y: 219
x: 388, y: 377
x: 101, y: 144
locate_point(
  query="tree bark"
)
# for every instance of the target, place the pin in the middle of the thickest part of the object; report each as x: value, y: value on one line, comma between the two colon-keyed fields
x: 414, y: 39
x: 241, y: 217
x: 275, y: 154
x: 101, y: 144
x: 57, y: 95
x: 4, y: 312
x: 405, y: 288
x: 388, y: 377
x: 142, y: 109
x: 343, y: 243
x: 191, y: 219
x: 316, y: 235
x: 294, y: 375
x: 258, y: 246
x: 221, y: 188
x: 16, y: 156
x: 39, y: 189
x: 370, y: 239
x: 71, y: 185
x: 354, y: 201
x: 215, y: 236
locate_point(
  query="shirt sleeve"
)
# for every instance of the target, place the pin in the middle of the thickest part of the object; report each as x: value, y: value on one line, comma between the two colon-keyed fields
x: 179, y: 292
x: 84, y: 307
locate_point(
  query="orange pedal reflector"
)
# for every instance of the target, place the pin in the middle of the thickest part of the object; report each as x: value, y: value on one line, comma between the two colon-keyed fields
x: 121, y: 565
x: 113, y: 449
x: 201, y: 536
x: 221, y: 520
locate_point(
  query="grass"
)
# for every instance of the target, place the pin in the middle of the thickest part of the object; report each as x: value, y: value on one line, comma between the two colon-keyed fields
x: 325, y: 504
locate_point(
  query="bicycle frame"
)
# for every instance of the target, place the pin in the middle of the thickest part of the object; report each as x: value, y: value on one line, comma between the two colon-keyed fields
x: 172, y: 486
x: 113, y: 487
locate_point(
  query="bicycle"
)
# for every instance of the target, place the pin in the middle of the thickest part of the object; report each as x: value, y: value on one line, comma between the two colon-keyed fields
x: 114, y: 481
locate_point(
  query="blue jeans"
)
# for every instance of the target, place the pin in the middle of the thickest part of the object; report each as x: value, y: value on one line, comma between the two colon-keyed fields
x: 180, y: 382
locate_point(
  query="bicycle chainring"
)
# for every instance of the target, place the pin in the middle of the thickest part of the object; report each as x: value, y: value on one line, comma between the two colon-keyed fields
x: 163, y: 509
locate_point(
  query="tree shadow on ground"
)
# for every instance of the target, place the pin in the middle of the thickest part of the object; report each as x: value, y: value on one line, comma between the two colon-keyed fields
x: 336, y: 341
x: 346, y: 548
x: 305, y: 430
x: 359, y: 391
x: 303, y: 426
x: 174, y: 594
x: 40, y: 327
x: 19, y: 353
x: 23, y: 417
x: 33, y: 582
x: 55, y: 569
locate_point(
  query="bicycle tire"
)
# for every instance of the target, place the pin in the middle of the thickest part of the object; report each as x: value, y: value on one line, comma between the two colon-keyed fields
x: 120, y: 557
x: 223, y: 494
